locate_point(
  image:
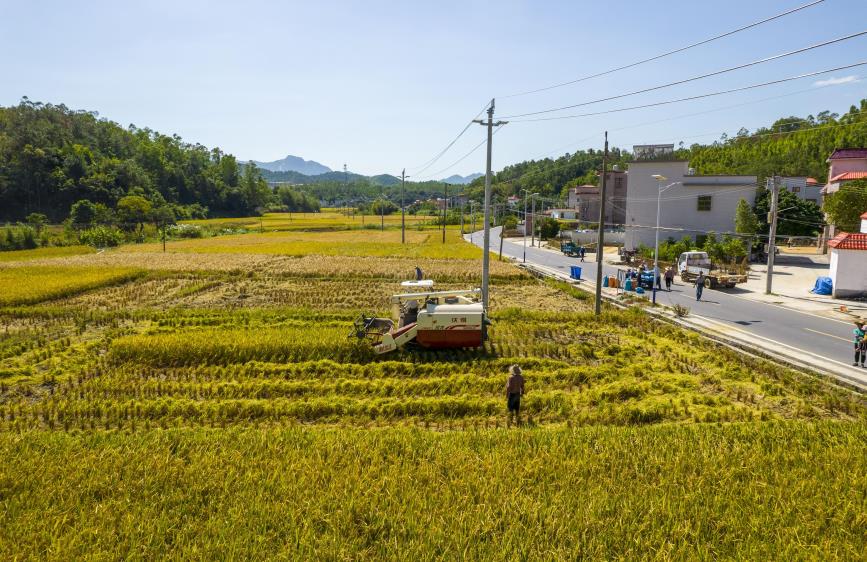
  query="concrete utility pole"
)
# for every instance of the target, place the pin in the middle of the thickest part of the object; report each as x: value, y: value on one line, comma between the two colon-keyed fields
x: 463, y: 208
x: 445, y: 210
x: 473, y: 218
x: 772, y: 235
x: 402, y: 208
x: 600, y: 242
x: 533, y: 222
x: 486, y: 246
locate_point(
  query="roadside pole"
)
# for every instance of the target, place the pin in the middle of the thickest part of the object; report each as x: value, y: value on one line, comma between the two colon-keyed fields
x: 445, y: 210
x: 486, y: 246
x: 402, y: 209
x: 526, y: 193
x: 600, y: 242
x: 772, y: 235
x: 463, y: 208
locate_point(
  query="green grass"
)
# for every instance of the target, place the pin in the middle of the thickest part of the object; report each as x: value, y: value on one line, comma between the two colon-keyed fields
x: 780, y: 491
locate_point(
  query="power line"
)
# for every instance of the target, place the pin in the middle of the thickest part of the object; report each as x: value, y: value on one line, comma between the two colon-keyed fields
x: 439, y: 155
x: 689, y: 98
x: 461, y: 159
x: 694, y: 78
x: 668, y: 53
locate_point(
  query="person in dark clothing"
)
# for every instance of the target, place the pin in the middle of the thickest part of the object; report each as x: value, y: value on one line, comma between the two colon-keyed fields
x: 860, y: 344
x: 581, y: 252
x: 418, y: 274
x: 514, y: 392
x: 699, y: 285
x: 669, y: 278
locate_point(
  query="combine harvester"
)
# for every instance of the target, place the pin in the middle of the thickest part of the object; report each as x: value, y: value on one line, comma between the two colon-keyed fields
x: 432, y: 319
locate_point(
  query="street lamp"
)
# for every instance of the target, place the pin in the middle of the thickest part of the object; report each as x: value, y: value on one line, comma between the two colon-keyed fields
x: 527, y: 194
x: 659, y: 189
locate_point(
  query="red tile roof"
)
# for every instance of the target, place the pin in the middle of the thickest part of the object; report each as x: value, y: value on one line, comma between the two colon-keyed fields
x: 848, y: 153
x: 849, y: 241
x: 812, y: 181
x: 849, y: 176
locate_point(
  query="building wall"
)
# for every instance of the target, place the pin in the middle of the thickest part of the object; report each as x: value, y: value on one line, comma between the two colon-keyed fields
x: 849, y: 273
x: 847, y: 165
x: 798, y: 186
x: 586, y: 199
x: 679, y: 214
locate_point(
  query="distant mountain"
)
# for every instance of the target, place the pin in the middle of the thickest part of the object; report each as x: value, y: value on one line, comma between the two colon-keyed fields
x: 291, y: 176
x: 294, y: 164
x: 461, y: 180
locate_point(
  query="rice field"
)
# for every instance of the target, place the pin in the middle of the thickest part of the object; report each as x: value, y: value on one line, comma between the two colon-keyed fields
x: 43, y: 253
x: 209, y: 400
x: 328, y: 219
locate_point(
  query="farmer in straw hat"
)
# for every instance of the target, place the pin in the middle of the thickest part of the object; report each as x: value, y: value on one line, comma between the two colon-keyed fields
x: 514, y: 391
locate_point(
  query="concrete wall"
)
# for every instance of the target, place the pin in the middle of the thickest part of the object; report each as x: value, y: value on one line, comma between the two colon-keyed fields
x: 679, y: 214
x: 849, y: 273
x: 584, y: 238
x: 798, y: 186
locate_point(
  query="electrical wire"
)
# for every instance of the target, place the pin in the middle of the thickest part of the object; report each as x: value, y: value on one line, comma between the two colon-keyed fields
x: 693, y: 78
x: 690, y: 98
x: 440, y: 154
x: 668, y: 53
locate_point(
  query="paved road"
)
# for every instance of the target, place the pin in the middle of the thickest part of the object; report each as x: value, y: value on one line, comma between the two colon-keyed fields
x: 825, y: 338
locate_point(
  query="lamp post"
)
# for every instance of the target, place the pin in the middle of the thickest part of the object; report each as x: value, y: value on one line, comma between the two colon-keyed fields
x: 659, y: 189
x: 526, y: 194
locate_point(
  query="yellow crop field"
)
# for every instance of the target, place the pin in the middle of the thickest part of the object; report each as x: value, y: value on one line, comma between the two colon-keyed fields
x: 42, y: 253
x: 213, y: 399
x: 375, y: 243
x: 32, y: 284
x: 328, y: 219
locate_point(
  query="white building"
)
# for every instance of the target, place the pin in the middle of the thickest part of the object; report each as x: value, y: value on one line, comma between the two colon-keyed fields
x: 806, y: 189
x: 691, y: 204
x: 564, y: 214
x: 849, y: 262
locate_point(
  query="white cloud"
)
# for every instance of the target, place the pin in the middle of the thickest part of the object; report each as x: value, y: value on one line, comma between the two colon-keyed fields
x: 836, y: 81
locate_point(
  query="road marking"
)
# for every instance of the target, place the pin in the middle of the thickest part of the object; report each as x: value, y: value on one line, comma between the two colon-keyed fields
x: 826, y: 334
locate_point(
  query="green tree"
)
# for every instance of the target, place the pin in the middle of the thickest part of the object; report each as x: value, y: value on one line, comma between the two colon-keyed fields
x: 133, y: 211
x: 83, y: 213
x: 746, y: 221
x: 36, y: 221
x: 845, y: 206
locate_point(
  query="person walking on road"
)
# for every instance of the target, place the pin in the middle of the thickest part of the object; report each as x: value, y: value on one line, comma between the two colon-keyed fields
x: 514, y: 392
x: 581, y: 252
x: 699, y: 285
x: 860, y: 344
x: 669, y: 278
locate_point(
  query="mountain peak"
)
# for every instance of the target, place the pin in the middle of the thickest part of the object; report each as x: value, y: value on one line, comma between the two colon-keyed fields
x: 294, y: 164
x: 461, y: 180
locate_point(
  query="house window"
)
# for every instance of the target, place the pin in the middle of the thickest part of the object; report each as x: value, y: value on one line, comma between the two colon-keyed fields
x: 796, y: 188
x: 704, y: 202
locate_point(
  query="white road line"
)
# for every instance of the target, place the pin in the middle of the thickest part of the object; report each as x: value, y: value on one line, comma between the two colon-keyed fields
x: 826, y: 334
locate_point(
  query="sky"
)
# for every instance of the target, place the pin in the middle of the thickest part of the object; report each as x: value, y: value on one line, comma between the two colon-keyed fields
x: 382, y: 86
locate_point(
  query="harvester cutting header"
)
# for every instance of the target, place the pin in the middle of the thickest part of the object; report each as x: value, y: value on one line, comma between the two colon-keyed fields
x: 432, y: 319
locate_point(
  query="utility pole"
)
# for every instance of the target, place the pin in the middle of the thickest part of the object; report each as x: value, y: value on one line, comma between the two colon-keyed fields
x: 473, y: 217
x: 600, y: 242
x: 533, y: 222
x: 463, y: 207
x: 502, y: 234
x: 486, y: 249
x: 402, y: 208
x: 445, y: 209
x: 525, y: 224
x: 772, y: 238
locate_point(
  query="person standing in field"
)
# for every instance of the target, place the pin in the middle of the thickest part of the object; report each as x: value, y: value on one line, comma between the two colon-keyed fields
x: 418, y: 274
x: 699, y: 285
x: 860, y: 344
x: 514, y: 392
x: 669, y: 278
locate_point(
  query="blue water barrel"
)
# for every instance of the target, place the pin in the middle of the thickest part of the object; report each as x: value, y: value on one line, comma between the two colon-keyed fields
x: 575, y: 272
x: 605, y: 281
x: 628, y: 284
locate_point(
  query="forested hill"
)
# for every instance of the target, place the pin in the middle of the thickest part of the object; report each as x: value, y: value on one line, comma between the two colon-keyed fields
x: 791, y: 146
x: 52, y: 156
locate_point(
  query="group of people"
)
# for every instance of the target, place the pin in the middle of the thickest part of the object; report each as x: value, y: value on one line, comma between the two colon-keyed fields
x: 667, y: 275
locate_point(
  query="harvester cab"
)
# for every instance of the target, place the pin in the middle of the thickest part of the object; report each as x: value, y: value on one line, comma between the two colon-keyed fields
x: 432, y: 319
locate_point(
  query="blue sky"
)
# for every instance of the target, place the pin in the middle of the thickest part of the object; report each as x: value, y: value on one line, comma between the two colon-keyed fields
x: 385, y: 85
